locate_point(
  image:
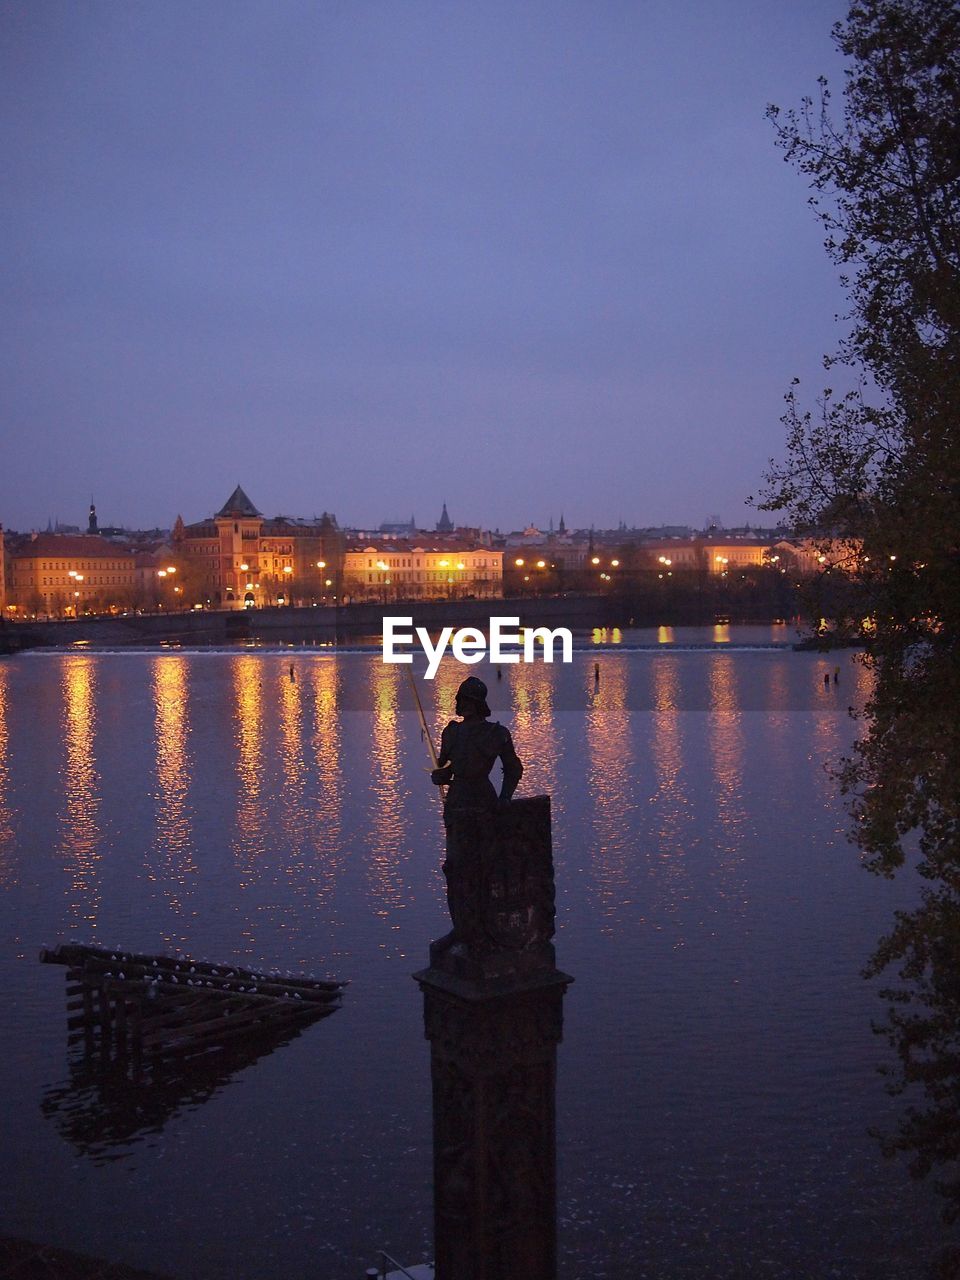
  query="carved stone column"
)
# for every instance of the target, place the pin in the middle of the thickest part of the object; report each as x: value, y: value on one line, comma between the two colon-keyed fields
x: 493, y: 1013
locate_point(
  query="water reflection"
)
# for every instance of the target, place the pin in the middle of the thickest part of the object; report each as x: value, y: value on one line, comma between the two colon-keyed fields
x: 115, y: 1096
x: 250, y: 843
x: 79, y: 822
x: 6, y: 809
x: 444, y: 693
x: 612, y: 785
x: 670, y: 801
x: 293, y: 816
x: 534, y: 729
x: 387, y: 844
x: 173, y: 828
x: 326, y: 825
x: 726, y: 742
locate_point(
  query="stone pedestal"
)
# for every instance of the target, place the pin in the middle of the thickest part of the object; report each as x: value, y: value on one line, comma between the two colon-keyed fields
x: 493, y: 1013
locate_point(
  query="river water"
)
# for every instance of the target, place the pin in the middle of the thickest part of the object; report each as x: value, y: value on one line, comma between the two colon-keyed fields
x: 718, y: 1075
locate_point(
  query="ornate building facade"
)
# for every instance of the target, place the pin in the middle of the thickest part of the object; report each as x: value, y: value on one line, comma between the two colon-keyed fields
x: 239, y: 559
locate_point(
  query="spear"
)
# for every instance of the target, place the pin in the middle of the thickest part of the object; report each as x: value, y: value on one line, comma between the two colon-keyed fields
x: 424, y: 727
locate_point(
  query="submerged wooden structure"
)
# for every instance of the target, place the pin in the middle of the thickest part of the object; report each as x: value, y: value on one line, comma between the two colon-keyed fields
x: 146, y: 1011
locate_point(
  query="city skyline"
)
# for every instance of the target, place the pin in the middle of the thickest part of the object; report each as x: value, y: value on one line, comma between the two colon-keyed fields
x: 517, y: 260
x: 554, y: 523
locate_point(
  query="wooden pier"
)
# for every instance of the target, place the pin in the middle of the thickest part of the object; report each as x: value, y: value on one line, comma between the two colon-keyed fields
x: 148, y: 1009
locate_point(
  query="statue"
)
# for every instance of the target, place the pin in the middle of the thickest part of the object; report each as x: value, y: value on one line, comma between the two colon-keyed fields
x: 498, y: 867
x: 469, y: 748
x: 493, y: 1013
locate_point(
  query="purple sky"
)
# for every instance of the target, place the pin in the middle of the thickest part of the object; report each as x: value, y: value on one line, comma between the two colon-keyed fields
x: 367, y: 257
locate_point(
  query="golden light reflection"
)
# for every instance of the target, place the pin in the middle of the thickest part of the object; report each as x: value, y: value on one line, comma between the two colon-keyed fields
x: 293, y: 816
x: 80, y: 838
x: 6, y: 809
x: 443, y: 690
x: 534, y: 729
x: 387, y: 844
x: 612, y: 785
x: 726, y: 755
x: 250, y: 843
x: 721, y: 633
x: 171, y: 702
x: 664, y: 635
x: 327, y: 819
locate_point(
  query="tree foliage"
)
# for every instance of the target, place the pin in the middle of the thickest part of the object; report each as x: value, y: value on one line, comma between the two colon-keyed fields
x: 879, y: 468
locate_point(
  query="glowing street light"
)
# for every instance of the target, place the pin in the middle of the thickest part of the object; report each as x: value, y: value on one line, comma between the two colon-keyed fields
x: 519, y: 562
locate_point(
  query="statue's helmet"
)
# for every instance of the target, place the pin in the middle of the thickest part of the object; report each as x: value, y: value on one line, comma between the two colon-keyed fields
x: 474, y: 690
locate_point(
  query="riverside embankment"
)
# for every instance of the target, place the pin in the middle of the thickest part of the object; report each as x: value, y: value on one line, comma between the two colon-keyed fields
x: 322, y: 625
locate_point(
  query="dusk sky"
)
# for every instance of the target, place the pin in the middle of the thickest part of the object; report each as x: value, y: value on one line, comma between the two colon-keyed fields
x: 525, y: 258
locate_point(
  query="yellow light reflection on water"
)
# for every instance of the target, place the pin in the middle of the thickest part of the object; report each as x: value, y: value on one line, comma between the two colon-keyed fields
x: 387, y: 844
x: 171, y: 719
x: 534, y: 729
x: 80, y: 838
x: 327, y: 822
x: 6, y: 810
x: 726, y: 756
x: 664, y: 635
x: 292, y: 813
x: 443, y: 690
x: 250, y: 841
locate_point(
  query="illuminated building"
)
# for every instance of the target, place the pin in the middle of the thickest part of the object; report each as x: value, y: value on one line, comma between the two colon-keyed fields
x: 807, y: 556
x: 403, y: 571
x: 240, y: 559
x: 67, y: 574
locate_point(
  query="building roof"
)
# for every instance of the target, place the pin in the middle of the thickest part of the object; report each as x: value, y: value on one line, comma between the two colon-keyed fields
x: 238, y: 504
x: 398, y: 546
x: 69, y: 545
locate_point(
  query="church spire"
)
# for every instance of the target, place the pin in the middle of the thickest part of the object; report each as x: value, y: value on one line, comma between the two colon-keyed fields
x: 444, y: 524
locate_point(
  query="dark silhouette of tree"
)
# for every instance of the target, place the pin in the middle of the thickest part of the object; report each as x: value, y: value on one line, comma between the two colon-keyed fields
x: 879, y: 468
